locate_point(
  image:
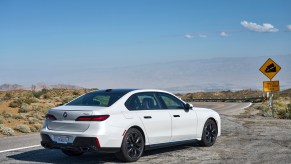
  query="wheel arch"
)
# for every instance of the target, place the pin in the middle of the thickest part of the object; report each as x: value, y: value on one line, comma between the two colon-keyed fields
x: 211, y: 118
x: 142, y: 132
x: 204, y: 120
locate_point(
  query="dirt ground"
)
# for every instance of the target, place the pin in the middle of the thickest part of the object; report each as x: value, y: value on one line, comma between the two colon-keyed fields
x: 246, y: 138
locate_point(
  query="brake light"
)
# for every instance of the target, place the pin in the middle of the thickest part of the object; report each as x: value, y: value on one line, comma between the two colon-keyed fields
x: 92, y: 118
x: 50, y: 117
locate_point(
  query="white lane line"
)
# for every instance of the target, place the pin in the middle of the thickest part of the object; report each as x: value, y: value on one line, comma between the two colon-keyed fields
x: 21, y: 148
x: 247, y: 106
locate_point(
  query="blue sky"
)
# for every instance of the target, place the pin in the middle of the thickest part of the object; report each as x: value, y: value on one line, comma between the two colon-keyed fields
x: 59, y: 36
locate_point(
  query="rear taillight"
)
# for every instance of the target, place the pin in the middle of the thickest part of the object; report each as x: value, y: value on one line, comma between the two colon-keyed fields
x: 92, y: 118
x: 50, y: 117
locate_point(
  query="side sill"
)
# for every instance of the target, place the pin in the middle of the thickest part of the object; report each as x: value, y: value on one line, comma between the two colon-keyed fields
x: 169, y: 144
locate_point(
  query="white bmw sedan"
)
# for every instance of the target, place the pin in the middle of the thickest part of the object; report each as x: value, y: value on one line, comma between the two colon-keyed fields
x: 127, y: 122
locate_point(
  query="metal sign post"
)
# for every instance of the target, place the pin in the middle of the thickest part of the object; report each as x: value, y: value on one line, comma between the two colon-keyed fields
x: 271, y: 104
x: 270, y: 69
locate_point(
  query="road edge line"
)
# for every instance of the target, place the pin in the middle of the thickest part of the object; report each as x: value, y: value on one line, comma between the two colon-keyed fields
x: 247, y: 106
x: 21, y: 148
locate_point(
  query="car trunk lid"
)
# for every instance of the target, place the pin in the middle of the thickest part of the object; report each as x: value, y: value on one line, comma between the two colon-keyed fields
x: 66, y: 118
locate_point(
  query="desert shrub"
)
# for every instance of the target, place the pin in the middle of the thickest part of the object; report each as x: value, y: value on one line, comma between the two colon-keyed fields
x: 284, y: 112
x: 46, y: 96
x: 28, y: 99
x: 39, y: 116
x: 37, y: 126
x: 33, y: 100
x: 7, y: 96
x: 66, y: 100
x: 76, y: 93
x: 37, y: 94
x: 18, y: 117
x: 23, y: 128
x: 43, y: 110
x: 24, y: 108
x: 15, y: 104
x: 33, y: 129
x: 6, y: 115
x: 57, y: 99
x: 1, y: 122
x: 264, y: 109
x: 8, y: 131
x: 32, y: 120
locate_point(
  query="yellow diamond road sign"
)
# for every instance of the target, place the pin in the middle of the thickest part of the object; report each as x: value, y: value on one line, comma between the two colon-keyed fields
x: 270, y: 68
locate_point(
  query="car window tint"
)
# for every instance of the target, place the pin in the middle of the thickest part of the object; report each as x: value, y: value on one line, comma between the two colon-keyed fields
x: 171, y: 102
x: 102, y: 99
x: 142, y: 101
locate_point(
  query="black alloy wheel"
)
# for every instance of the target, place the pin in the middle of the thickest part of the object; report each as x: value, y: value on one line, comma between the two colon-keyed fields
x: 132, y: 146
x: 209, y: 133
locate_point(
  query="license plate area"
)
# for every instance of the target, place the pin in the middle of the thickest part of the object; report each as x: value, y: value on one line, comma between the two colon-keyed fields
x: 62, y: 139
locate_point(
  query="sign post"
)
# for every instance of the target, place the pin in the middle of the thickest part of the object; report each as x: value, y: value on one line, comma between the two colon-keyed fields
x: 270, y: 69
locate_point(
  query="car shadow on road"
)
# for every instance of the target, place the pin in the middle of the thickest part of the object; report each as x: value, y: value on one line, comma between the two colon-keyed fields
x: 56, y: 156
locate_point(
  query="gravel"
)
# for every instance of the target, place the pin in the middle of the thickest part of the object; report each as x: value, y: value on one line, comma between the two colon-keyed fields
x: 246, y: 138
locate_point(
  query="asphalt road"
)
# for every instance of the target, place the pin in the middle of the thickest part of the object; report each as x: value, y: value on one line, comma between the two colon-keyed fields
x: 26, y: 148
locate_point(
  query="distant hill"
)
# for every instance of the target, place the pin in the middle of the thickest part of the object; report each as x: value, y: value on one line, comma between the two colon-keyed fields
x: 286, y: 93
x: 10, y: 87
x: 216, y: 74
x: 37, y: 87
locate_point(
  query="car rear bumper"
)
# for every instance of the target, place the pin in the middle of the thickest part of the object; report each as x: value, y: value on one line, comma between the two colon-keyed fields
x: 83, y: 144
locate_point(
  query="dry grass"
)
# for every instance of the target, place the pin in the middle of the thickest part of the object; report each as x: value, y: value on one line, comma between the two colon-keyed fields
x: 24, y: 110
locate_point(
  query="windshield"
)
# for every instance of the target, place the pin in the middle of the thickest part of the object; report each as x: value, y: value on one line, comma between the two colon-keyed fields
x: 97, y: 98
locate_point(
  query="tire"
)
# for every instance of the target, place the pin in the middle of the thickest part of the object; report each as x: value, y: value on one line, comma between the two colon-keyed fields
x: 209, y: 133
x: 72, y: 153
x: 132, y: 146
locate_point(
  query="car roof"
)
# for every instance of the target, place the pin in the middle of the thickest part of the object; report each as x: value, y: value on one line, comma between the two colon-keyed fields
x: 115, y: 90
x: 127, y: 90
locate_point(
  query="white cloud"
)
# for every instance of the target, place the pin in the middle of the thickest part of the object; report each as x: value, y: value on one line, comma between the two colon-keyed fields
x: 188, y: 36
x: 191, y: 36
x: 266, y: 27
x: 202, y: 36
x: 223, y: 34
x: 289, y: 27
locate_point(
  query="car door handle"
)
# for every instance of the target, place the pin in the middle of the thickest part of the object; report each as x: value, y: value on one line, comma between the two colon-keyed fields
x: 176, y: 115
x: 147, y: 117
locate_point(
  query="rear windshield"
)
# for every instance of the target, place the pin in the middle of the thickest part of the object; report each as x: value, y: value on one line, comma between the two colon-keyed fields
x: 104, y: 99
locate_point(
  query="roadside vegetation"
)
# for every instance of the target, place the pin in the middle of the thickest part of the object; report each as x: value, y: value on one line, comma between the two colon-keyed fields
x: 224, y: 96
x: 281, y: 100
x: 281, y: 105
x: 23, y: 111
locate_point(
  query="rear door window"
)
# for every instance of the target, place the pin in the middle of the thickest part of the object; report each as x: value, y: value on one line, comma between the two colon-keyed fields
x: 142, y: 101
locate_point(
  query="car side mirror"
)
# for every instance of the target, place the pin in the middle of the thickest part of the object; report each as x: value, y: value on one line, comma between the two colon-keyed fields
x: 188, y: 106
